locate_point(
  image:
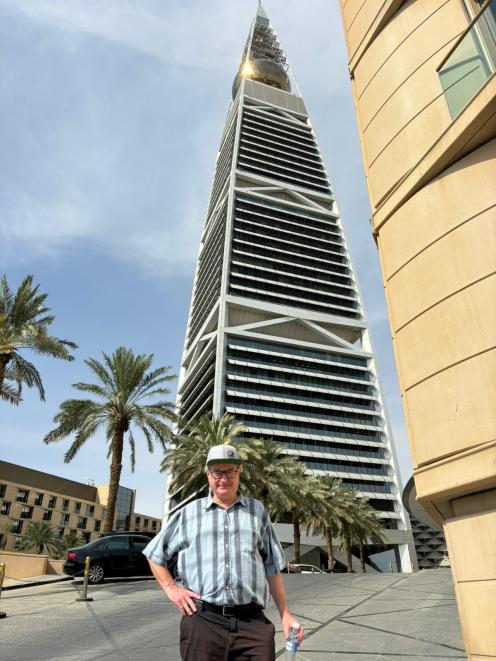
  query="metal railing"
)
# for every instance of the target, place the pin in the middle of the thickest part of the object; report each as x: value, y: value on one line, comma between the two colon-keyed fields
x: 471, y: 62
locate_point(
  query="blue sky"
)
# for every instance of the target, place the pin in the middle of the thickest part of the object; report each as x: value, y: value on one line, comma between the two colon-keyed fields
x: 111, y: 114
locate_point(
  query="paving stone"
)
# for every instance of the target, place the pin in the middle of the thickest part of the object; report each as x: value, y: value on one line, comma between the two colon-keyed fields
x: 346, y: 618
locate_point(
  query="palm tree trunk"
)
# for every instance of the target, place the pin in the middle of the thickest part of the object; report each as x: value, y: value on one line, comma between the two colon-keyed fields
x: 349, y: 560
x: 330, y: 551
x: 296, y: 537
x: 264, y: 497
x: 115, y: 475
x: 362, y: 556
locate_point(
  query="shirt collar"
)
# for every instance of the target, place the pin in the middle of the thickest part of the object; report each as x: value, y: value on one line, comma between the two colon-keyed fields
x: 209, y: 501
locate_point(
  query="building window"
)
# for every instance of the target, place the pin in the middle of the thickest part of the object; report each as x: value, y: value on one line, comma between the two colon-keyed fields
x: 61, y: 532
x: 22, y: 496
x: 3, y: 488
x: 64, y: 520
x: 87, y: 537
x: 27, y: 512
x: 47, y: 515
x: 471, y: 63
x: 16, y: 527
x: 154, y: 525
x: 38, y: 499
x: 77, y: 508
x: 97, y: 526
x: 82, y: 521
x: 52, y: 502
x: 138, y: 520
x: 65, y: 505
x: 145, y: 523
x: 5, y: 507
x: 90, y: 510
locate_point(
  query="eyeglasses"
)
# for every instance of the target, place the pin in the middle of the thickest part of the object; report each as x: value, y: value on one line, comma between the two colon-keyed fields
x: 229, y: 474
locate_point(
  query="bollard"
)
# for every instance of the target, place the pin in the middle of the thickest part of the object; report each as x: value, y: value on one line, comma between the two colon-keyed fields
x: 84, y: 596
x: 2, y: 576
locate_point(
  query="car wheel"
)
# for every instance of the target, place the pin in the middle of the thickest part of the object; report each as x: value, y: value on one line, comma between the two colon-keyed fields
x: 96, y: 575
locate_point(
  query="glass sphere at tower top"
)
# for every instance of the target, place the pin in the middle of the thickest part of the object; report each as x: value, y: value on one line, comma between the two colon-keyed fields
x: 263, y: 70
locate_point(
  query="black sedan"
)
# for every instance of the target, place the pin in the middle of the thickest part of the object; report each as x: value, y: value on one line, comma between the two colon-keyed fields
x: 112, y: 555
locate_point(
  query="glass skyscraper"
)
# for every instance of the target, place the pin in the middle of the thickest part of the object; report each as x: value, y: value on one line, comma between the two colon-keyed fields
x: 276, y: 333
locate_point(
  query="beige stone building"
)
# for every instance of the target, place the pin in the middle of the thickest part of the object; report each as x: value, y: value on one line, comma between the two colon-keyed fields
x: 29, y: 495
x: 425, y: 94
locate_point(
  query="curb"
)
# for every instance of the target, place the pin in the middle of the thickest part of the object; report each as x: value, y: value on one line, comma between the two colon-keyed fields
x: 35, y: 583
x: 119, y: 579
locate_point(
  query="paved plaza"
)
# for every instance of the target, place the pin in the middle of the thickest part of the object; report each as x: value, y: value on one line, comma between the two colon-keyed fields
x: 346, y: 617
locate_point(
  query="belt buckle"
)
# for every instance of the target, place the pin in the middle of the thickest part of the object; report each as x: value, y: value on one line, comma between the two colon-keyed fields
x: 228, y: 611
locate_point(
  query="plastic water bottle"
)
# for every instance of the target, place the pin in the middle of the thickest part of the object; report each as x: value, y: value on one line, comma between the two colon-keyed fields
x: 292, y: 642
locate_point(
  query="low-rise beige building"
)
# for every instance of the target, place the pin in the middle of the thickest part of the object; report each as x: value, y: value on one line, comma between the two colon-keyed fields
x: 424, y: 85
x: 29, y: 495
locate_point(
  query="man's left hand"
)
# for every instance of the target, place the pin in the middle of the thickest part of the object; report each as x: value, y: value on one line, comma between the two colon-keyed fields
x: 287, y: 620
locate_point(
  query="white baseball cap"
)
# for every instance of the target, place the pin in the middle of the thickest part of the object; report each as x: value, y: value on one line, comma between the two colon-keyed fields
x: 223, y: 454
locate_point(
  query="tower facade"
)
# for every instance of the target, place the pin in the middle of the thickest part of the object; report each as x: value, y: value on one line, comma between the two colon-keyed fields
x: 424, y: 82
x: 276, y: 333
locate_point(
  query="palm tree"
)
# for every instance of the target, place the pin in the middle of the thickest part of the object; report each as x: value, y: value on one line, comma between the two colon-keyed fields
x: 333, y: 505
x: 124, y: 381
x: 366, y: 525
x: 360, y: 523
x: 264, y: 472
x: 24, y: 323
x: 185, y: 460
x: 69, y: 541
x: 295, y: 495
x: 40, y: 536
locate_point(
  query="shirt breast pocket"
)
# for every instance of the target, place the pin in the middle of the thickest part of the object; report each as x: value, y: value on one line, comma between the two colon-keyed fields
x: 250, y: 541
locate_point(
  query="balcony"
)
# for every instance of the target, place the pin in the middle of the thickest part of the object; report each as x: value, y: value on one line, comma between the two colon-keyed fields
x: 471, y: 63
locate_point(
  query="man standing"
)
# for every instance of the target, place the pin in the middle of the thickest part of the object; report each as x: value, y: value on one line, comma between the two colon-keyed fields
x: 228, y: 560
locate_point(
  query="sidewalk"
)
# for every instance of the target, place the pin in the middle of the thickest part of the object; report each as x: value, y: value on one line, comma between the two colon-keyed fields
x: 16, y: 583
x: 372, y: 617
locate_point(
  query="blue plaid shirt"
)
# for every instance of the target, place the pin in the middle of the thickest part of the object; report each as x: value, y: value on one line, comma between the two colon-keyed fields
x: 223, y: 555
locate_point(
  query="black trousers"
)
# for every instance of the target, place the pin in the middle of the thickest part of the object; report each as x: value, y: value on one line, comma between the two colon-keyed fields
x: 207, y: 636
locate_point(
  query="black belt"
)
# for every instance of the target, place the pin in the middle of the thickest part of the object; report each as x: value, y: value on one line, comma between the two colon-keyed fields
x: 245, y: 610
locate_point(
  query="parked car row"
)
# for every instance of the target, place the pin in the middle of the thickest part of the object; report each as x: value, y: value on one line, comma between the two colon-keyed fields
x: 120, y: 554
x: 113, y: 554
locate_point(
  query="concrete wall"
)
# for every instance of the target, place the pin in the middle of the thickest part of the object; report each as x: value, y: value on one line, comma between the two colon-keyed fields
x: 23, y: 565
x: 432, y: 188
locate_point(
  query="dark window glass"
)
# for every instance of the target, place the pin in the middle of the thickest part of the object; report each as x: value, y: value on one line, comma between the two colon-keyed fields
x: 22, y: 496
x: 118, y: 543
x: 52, y: 502
x: 139, y: 543
x: 47, y: 516
x: 81, y: 524
x: 77, y: 507
x: 27, y: 512
x: 3, y: 488
x: 5, y: 507
x: 39, y: 499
